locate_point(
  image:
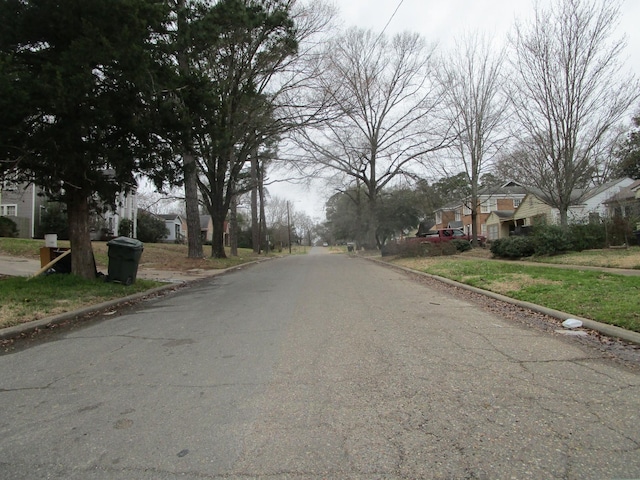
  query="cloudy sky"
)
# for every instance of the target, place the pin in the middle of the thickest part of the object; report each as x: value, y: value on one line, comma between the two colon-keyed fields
x: 442, y: 21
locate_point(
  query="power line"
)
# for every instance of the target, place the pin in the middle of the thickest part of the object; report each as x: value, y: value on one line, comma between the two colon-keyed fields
x: 392, y: 15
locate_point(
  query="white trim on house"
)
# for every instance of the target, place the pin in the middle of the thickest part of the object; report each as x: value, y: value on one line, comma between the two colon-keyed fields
x: 5, y: 210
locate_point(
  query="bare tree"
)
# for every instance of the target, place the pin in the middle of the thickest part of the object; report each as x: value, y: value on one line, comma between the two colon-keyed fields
x: 569, y: 95
x: 304, y: 226
x: 381, y: 123
x: 278, y: 219
x: 476, y: 107
x: 254, y: 68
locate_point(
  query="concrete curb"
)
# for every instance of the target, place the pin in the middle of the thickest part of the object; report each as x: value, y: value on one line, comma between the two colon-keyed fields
x: 29, y: 327
x: 606, y: 329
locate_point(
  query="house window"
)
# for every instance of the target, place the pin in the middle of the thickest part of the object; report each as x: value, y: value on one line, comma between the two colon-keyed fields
x: 438, y: 217
x: 489, y: 206
x: 466, y: 210
x: 492, y: 232
x: 483, y: 229
x: 9, y: 210
x: 516, y: 202
x: 458, y: 216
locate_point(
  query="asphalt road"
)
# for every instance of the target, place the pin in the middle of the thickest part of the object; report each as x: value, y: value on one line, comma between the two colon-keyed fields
x: 315, y: 367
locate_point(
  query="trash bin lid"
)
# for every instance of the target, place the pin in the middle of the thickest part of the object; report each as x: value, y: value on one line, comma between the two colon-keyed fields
x: 127, y: 242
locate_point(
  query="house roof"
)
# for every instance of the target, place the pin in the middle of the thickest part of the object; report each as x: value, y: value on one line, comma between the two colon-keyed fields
x: 592, y: 192
x: 449, y: 207
x: 504, y: 213
x: 577, y: 195
x: 169, y: 216
x: 509, y: 188
x: 627, y: 193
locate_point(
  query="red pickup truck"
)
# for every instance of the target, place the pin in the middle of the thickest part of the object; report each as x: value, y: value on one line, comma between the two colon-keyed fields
x: 448, y: 234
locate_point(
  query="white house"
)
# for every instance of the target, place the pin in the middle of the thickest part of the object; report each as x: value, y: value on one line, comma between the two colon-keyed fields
x: 593, y: 202
x: 175, y: 227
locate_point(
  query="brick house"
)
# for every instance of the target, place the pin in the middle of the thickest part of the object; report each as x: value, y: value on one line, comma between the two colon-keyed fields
x: 589, y: 204
x: 506, y: 197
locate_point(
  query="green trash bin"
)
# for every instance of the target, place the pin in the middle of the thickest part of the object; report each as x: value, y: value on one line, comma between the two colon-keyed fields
x: 124, y: 257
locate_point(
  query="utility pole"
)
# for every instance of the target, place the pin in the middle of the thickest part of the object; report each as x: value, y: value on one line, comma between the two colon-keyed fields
x: 289, y: 227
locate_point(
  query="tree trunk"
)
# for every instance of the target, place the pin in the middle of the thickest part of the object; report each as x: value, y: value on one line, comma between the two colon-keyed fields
x: 191, y: 201
x: 564, y: 217
x: 217, y: 242
x: 82, y: 261
x: 264, y: 237
x: 189, y: 162
x: 255, y: 224
x: 233, y: 227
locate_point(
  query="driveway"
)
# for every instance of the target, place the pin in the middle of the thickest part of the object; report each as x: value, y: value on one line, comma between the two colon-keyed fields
x: 315, y: 367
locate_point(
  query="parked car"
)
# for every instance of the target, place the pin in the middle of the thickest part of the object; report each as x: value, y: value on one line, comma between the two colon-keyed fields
x: 448, y: 234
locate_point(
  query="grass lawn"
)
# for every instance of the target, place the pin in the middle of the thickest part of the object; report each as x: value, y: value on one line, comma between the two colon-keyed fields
x: 45, y: 296
x: 607, y: 298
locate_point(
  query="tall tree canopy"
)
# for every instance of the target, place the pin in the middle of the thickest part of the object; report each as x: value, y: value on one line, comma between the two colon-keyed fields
x: 253, y: 40
x: 475, y: 103
x: 77, y: 104
x: 383, y: 98
x: 569, y: 93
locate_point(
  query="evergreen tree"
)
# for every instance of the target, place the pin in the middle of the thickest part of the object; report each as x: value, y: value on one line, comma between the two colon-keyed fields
x: 629, y: 153
x: 78, y: 102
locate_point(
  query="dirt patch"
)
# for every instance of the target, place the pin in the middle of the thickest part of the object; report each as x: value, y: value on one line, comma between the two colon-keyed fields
x: 517, y: 282
x: 420, y: 263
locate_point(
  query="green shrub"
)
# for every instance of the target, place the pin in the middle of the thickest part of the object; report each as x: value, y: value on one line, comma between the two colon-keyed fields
x: 513, y: 247
x: 620, y: 230
x: 54, y: 220
x: 550, y: 240
x: 125, y: 228
x: 496, y: 246
x: 587, y: 236
x: 462, y: 245
x: 151, y: 229
x: 419, y: 248
x: 8, y: 227
x: 389, y: 249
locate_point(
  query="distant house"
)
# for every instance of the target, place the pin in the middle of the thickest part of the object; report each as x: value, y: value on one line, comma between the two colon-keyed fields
x: 175, y: 227
x: 206, y: 228
x: 592, y: 204
x: 533, y: 210
x: 458, y: 215
x: 126, y: 208
x: 500, y: 224
x: 445, y: 215
x: 26, y: 203
x: 625, y: 203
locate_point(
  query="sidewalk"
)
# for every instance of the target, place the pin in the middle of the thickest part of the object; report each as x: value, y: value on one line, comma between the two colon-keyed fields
x: 25, y: 267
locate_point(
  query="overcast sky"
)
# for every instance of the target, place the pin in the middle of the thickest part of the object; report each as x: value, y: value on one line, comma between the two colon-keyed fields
x: 442, y: 21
